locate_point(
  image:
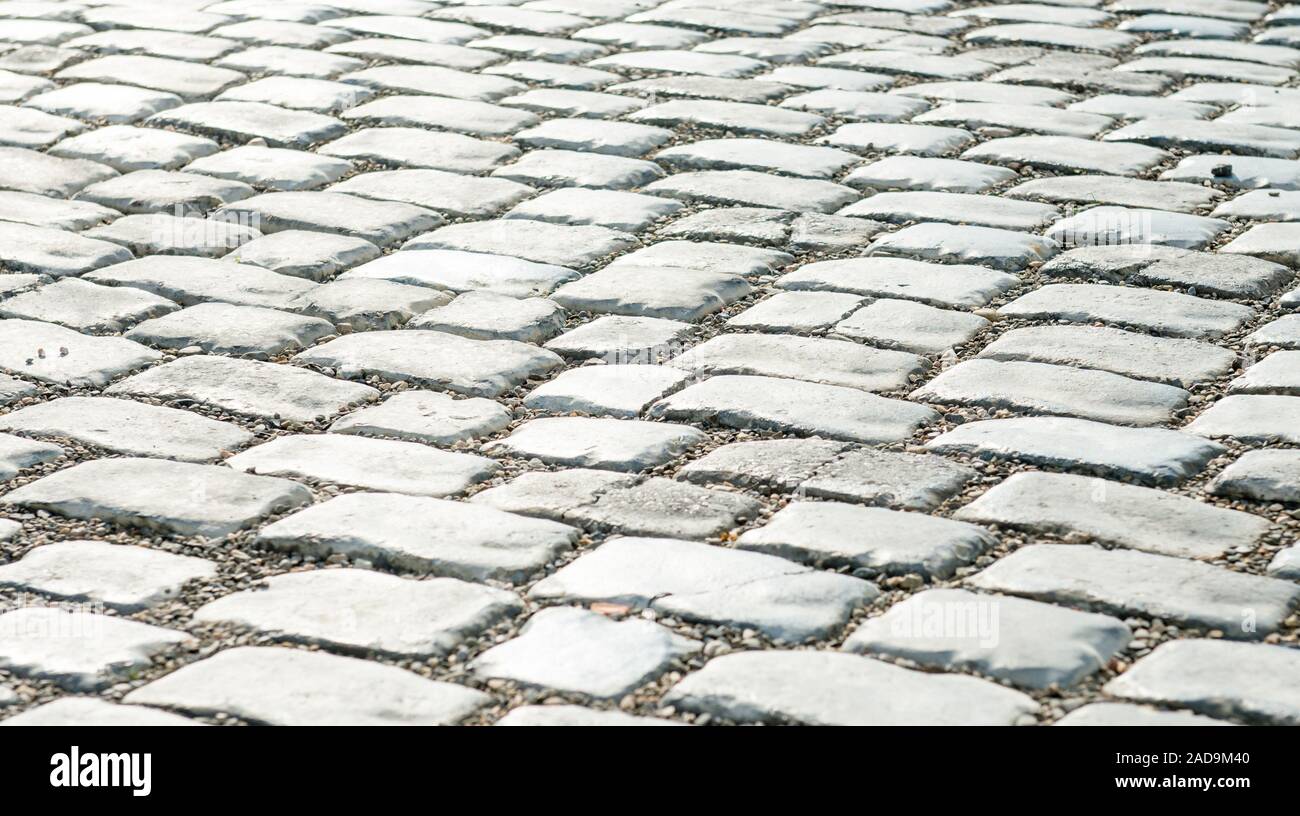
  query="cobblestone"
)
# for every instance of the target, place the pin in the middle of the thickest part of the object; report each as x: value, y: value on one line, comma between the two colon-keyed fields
x: 339, y: 341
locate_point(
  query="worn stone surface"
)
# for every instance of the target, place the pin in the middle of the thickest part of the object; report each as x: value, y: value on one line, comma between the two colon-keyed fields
x: 247, y: 387
x: 385, y: 465
x: 423, y: 535
x: 1144, y: 454
x: 384, y: 613
x: 813, y: 688
x: 1218, y: 679
x: 178, y: 497
x: 426, y: 416
x: 1025, y: 642
x: 485, y: 368
x: 1126, y: 582
x: 1115, y: 513
x: 1263, y: 475
x: 475, y: 285
x: 615, y: 444
x: 93, y: 651
x: 125, y: 578
x: 707, y: 583
x: 584, y: 652
x: 128, y: 427
x: 888, y: 541
x: 769, y: 403
x: 296, y: 687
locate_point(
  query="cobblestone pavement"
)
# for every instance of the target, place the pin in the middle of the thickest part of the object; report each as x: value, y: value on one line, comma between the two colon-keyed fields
x: 627, y: 362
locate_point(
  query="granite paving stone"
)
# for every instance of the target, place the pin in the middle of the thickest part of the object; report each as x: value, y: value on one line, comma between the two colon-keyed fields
x: 126, y: 148
x: 128, y: 427
x: 1114, y: 513
x: 86, y: 307
x: 385, y: 613
x: 53, y: 354
x: 1170, y: 360
x: 910, y: 326
x: 1169, y: 313
x: 1041, y: 388
x: 278, y: 686
x: 253, y: 332
x: 272, y: 168
x: 461, y: 271
x: 704, y: 582
x: 383, y: 465
x: 17, y: 454
x: 1262, y: 475
x: 791, y: 406
x: 1111, y: 714
x: 122, y: 577
x: 832, y: 534
x: 802, y: 358
x: 621, y: 391
x: 1153, y: 455
x: 1217, y: 679
x: 623, y: 211
x: 1251, y: 418
x: 950, y: 285
x: 304, y: 254
x: 93, y: 651
x: 1122, y: 191
x: 426, y: 416
x: 177, y: 497
x: 379, y: 222
x: 81, y: 711
x: 423, y: 535
x: 663, y: 507
x: 462, y: 315
x: 604, y: 442
x: 191, y: 280
x: 437, y: 359
x: 528, y: 240
x: 1027, y: 643
x: 1005, y: 250
x: 1127, y: 582
x: 247, y: 387
x: 823, y: 688
x: 585, y: 652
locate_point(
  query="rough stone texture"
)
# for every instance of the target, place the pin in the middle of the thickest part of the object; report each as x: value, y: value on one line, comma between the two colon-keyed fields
x: 1125, y: 582
x: 247, y: 387
x: 585, y: 652
x: 872, y: 538
x: 125, y: 578
x: 769, y: 403
x: 78, y: 650
x: 1144, y: 454
x: 384, y: 613
x: 294, y: 687
x: 1262, y: 475
x: 1250, y: 681
x: 707, y: 583
x: 156, y: 494
x: 1024, y: 642
x: 480, y: 368
x: 815, y: 277
x: 423, y: 535
x: 614, y: 444
x: 814, y: 688
x: 426, y: 416
x: 1115, y: 513
x: 374, y: 464
x: 1039, y: 388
